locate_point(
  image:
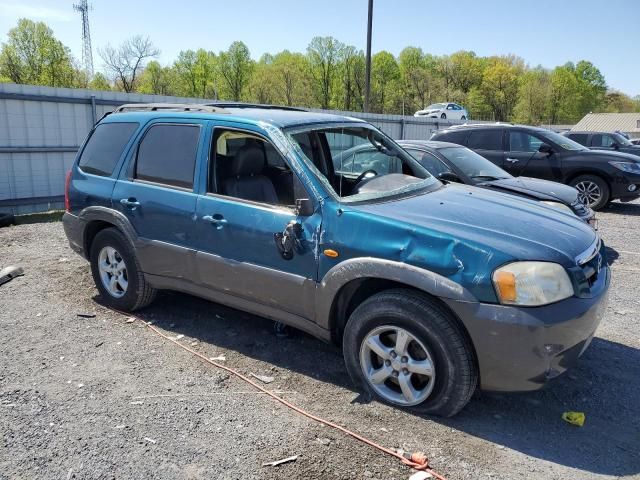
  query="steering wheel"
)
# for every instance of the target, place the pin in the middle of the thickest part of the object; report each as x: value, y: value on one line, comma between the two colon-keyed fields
x: 365, y: 175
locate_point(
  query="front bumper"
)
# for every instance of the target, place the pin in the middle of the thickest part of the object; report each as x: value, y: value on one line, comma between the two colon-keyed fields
x: 620, y: 187
x: 522, y: 348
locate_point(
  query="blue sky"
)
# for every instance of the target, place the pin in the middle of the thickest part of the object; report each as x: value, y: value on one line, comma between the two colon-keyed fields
x: 545, y: 32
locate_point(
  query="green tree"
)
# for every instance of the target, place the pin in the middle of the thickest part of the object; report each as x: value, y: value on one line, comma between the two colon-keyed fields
x: 500, y: 86
x: 292, y: 79
x: 592, y: 86
x: 235, y: 67
x: 417, y: 73
x: 99, y: 82
x: 385, y: 75
x: 195, y: 73
x: 534, y: 94
x: 466, y: 71
x: 157, y: 80
x: 262, y: 86
x: 619, y: 102
x: 565, y: 97
x: 32, y: 55
x: 324, y: 54
x: 352, y: 73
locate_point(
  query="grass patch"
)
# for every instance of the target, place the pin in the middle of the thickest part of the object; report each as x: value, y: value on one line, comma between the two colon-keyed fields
x: 40, y: 217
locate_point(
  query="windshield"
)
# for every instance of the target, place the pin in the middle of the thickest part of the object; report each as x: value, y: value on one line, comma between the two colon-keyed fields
x: 622, y: 140
x: 563, y: 141
x: 473, y: 165
x: 359, y: 163
x: 435, y: 106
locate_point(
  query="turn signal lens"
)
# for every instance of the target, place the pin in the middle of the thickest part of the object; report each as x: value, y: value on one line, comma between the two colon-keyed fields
x: 506, y: 284
x: 331, y: 253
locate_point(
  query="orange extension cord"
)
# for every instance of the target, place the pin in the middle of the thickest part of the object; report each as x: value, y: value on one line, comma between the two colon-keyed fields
x: 416, y: 460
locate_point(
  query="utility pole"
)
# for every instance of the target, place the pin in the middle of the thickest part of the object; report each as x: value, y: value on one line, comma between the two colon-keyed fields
x: 367, y: 79
x: 87, y: 54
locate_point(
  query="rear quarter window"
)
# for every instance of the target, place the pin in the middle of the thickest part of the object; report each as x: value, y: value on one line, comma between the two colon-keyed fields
x: 104, y: 148
x: 489, y: 139
x: 452, y: 136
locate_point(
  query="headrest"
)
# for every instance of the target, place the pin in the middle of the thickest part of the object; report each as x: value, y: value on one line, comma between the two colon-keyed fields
x: 249, y: 160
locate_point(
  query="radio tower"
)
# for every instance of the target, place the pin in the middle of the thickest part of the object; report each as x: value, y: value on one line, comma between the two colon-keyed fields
x: 87, y: 55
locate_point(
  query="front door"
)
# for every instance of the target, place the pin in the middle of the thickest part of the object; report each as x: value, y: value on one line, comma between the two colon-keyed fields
x: 248, y: 205
x: 523, y: 157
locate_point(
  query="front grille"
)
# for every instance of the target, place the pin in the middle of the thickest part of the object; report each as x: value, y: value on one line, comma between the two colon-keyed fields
x: 590, y: 265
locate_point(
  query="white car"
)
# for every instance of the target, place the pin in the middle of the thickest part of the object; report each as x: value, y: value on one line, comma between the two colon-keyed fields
x: 452, y: 111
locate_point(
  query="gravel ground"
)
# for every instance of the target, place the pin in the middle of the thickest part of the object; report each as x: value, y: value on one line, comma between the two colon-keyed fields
x: 102, y: 398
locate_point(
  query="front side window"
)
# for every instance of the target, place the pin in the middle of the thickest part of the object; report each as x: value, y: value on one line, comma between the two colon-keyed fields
x: 474, y: 166
x: 104, y: 147
x: 167, y: 155
x: 523, y: 142
x: 244, y: 165
x: 561, y: 140
x: 434, y: 165
x: 366, y: 164
x: 489, y: 139
x: 600, y: 140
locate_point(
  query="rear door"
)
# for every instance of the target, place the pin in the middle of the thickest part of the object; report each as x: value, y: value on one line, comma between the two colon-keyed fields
x: 523, y: 157
x: 489, y: 143
x: 156, y: 193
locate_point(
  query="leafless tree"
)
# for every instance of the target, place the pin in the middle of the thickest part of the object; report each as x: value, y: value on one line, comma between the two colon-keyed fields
x: 127, y: 61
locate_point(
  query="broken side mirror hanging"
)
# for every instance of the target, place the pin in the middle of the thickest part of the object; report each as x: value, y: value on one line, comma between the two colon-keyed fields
x: 288, y: 242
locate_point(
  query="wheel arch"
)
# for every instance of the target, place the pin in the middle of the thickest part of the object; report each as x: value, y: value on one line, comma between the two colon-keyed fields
x: 97, y: 219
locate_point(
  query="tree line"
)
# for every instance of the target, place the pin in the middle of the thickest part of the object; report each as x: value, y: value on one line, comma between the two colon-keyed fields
x: 329, y: 75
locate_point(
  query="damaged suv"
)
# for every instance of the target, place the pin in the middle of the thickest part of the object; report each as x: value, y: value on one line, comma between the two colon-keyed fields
x: 432, y: 290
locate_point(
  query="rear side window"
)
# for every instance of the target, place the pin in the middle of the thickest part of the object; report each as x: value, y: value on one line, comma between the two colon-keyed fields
x: 104, y: 147
x: 489, y: 139
x: 453, y: 136
x: 581, y: 138
x: 167, y: 154
x: 599, y: 140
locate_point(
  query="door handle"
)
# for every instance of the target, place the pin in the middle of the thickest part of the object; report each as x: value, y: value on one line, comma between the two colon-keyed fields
x: 130, y: 202
x: 217, y: 220
x: 513, y: 160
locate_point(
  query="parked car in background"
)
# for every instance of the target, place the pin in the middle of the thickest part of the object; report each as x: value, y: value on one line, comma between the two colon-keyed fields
x: 451, y: 111
x: 599, y: 176
x: 454, y: 163
x: 635, y: 141
x: 604, y: 141
x: 429, y: 289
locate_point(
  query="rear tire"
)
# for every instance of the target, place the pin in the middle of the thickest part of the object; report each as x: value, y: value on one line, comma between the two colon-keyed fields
x: 463, y: 117
x: 117, y: 273
x: 433, y: 370
x: 592, y: 190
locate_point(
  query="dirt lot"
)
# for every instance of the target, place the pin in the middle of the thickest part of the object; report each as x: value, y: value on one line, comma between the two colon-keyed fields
x: 102, y: 398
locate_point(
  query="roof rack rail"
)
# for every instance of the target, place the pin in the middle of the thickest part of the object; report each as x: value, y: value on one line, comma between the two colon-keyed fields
x: 158, y: 107
x: 255, y: 105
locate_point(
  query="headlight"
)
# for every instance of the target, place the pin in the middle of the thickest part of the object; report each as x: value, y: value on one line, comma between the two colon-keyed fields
x: 630, y: 167
x: 558, y: 205
x: 532, y: 283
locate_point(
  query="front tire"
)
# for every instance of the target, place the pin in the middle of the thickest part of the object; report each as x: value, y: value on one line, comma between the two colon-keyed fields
x: 117, y: 273
x: 592, y: 191
x: 405, y: 349
x: 443, y: 116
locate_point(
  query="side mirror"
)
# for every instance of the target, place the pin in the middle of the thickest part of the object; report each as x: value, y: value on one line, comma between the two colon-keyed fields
x: 304, y: 207
x: 616, y: 146
x: 449, y: 177
x: 545, y: 148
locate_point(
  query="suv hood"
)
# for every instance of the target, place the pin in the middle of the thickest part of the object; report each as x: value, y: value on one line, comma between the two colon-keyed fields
x: 610, y: 155
x: 472, y: 225
x: 535, y: 188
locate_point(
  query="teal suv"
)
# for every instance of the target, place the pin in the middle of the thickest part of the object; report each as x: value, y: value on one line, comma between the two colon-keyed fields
x: 431, y: 290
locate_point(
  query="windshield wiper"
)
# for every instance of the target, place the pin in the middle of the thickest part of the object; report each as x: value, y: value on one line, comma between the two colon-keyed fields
x: 488, y: 177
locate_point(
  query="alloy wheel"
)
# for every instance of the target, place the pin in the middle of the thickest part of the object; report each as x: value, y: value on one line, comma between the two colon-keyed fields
x: 589, y: 192
x: 113, y: 272
x: 397, y: 365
